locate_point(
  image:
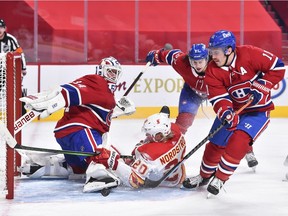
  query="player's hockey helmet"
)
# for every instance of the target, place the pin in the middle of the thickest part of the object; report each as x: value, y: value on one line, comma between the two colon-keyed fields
x: 2, y: 23
x: 223, y: 39
x: 110, y: 69
x: 157, y: 124
x: 198, y: 51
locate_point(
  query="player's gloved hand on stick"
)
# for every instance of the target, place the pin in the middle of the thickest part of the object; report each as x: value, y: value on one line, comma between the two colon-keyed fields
x: 46, y: 102
x: 153, y: 57
x: 228, y: 114
x: 124, y: 106
x: 260, y: 89
x: 108, y: 158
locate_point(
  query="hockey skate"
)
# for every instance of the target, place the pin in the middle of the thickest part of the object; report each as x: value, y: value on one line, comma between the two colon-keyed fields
x: 195, y: 182
x: 215, y: 186
x: 251, y: 160
x: 99, y: 179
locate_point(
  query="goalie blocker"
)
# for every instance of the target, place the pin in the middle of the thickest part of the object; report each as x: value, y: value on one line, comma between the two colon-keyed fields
x: 48, y: 102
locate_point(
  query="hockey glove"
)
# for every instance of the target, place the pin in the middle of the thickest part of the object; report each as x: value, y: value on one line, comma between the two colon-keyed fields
x: 153, y: 57
x: 124, y: 106
x: 46, y: 102
x: 108, y: 158
x: 260, y: 89
x: 230, y: 117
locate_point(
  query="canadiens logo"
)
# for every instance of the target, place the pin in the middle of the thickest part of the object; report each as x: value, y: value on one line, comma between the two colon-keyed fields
x: 240, y: 92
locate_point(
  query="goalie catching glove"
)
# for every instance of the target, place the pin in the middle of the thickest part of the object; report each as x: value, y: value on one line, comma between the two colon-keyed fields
x: 124, y: 106
x: 99, y: 178
x: 46, y: 102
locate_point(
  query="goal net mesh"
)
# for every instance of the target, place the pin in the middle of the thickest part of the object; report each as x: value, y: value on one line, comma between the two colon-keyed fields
x: 10, y: 91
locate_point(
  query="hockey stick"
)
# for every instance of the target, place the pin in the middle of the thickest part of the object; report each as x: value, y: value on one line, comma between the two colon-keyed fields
x: 152, y: 183
x: 13, y: 144
x: 134, y: 82
x: 25, y: 119
x: 136, y: 79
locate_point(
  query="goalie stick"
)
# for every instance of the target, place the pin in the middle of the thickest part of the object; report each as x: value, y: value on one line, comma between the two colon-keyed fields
x: 12, y: 143
x: 25, y: 119
x: 148, y: 183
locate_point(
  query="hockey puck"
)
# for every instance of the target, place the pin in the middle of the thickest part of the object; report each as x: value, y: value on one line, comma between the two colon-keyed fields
x: 105, y: 192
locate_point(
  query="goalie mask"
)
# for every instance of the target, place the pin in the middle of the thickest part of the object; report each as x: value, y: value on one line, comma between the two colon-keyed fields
x: 157, y: 127
x: 110, y: 69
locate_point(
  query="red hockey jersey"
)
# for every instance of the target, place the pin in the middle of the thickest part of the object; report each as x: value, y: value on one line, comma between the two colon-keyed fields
x: 180, y: 63
x: 90, y: 103
x: 230, y: 86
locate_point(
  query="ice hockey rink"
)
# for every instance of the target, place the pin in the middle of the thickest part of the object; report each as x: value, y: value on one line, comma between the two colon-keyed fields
x: 264, y: 192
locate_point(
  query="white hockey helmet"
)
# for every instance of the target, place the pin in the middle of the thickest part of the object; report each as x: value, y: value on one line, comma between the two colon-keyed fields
x: 157, y: 126
x: 110, y: 69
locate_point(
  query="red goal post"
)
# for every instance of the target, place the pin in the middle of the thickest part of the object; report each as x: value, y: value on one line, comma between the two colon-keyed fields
x: 10, y: 110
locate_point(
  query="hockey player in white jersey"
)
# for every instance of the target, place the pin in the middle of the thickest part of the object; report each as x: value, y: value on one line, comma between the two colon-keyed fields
x: 163, y: 147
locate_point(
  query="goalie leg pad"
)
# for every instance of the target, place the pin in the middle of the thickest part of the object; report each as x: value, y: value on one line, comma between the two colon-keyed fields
x: 39, y: 165
x: 98, y: 178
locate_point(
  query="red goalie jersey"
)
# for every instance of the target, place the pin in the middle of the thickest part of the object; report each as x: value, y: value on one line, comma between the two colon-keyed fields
x: 153, y: 160
x: 89, y: 103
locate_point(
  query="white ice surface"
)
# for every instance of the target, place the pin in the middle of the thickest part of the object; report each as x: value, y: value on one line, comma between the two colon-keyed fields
x: 247, y: 193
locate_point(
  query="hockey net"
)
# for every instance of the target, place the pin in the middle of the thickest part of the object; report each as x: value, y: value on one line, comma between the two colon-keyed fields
x: 10, y: 110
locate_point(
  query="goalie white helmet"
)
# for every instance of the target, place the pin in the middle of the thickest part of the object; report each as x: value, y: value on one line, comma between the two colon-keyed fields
x: 110, y: 69
x: 157, y: 127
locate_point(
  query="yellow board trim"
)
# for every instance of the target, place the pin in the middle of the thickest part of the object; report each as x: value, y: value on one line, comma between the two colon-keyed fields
x: 144, y: 112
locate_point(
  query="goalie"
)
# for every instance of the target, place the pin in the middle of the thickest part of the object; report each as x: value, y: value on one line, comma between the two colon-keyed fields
x: 89, y: 106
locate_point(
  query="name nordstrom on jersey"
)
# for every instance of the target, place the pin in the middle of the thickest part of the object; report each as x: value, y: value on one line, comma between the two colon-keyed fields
x: 173, y: 152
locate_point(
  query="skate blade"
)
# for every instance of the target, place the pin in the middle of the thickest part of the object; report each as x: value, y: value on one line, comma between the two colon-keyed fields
x: 254, y: 169
x: 209, y: 195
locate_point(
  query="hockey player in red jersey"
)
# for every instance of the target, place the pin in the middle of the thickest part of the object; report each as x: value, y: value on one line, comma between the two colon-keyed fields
x: 163, y: 147
x: 191, y: 66
x: 234, y: 75
x: 89, y: 105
